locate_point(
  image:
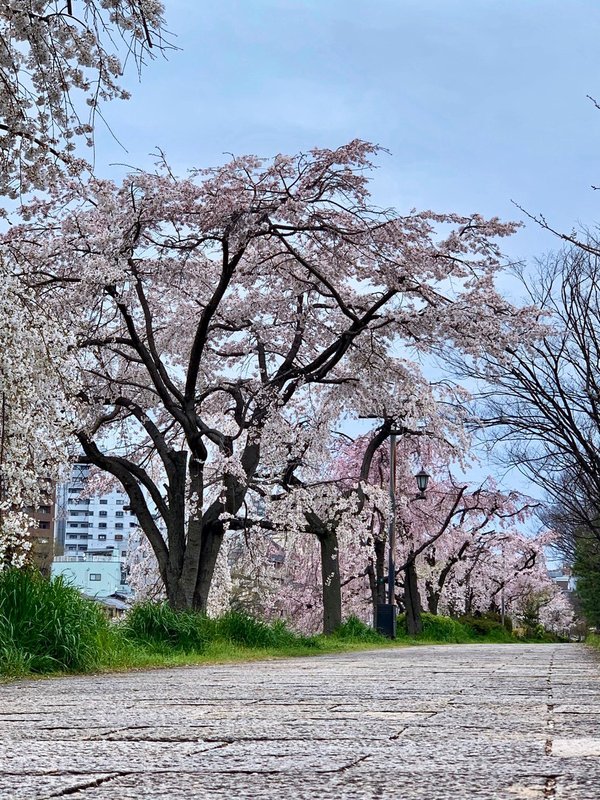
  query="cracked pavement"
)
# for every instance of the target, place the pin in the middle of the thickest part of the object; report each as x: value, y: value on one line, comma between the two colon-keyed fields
x: 434, y: 722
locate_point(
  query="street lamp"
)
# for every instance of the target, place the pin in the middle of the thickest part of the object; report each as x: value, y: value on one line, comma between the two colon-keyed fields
x: 386, y: 612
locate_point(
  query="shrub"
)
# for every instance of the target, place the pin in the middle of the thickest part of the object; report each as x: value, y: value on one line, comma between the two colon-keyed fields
x: 47, y: 626
x: 495, y: 616
x: 443, y: 629
x: 485, y: 626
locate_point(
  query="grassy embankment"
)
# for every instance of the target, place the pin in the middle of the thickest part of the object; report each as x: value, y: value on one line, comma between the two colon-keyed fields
x: 47, y: 628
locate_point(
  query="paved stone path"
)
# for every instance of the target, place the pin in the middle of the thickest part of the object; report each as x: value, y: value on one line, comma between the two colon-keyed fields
x: 468, y: 721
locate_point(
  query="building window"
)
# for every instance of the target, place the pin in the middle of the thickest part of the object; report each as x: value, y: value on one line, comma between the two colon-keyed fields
x: 71, y: 547
x: 103, y: 513
x: 103, y: 502
x: 118, y: 513
x: 118, y: 537
x: 102, y: 537
x: 71, y: 536
x: 95, y: 576
x: 118, y: 525
x: 102, y: 524
x: 123, y: 554
x: 120, y: 502
x: 43, y: 525
x: 82, y: 547
x: 133, y: 524
x: 44, y: 509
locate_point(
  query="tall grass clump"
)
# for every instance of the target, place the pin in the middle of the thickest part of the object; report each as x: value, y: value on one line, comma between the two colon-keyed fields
x: 158, y: 626
x: 444, y: 629
x: 47, y: 626
x: 353, y: 630
x: 246, y: 631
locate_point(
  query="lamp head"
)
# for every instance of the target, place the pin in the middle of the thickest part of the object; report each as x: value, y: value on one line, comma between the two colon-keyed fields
x: 422, y: 479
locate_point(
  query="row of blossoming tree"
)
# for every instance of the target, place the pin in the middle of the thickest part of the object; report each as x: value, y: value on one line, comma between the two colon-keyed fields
x: 461, y: 550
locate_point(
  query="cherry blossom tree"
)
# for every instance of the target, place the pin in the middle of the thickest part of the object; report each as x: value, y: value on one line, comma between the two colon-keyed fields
x: 34, y: 417
x: 213, y: 314
x: 337, y: 501
x: 60, y: 63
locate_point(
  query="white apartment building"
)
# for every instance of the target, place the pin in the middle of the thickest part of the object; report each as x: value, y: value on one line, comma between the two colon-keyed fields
x: 91, y: 525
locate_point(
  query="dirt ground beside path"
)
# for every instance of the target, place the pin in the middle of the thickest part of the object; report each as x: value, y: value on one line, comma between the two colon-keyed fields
x: 439, y: 722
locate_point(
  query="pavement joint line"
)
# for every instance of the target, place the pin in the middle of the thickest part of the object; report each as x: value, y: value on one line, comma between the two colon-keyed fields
x: 550, y: 785
x: 82, y: 787
x: 551, y: 780
x: 344, y: 767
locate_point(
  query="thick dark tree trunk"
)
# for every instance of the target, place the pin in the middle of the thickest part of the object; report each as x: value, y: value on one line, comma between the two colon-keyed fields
x: 178, y: 598
x: 433, y: 599
x: 373, y: 590
x: 179, y: 592
x: 330, y: 576
x: 212, y: 539
x: 376, y: 574
x: 468, y: 601
x: 188, y: 588
x: 212, y: 532
x: 412, y: 601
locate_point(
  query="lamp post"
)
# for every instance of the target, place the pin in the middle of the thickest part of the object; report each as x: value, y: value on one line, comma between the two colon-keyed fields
x: 386, y: 612
x: 392, y: 526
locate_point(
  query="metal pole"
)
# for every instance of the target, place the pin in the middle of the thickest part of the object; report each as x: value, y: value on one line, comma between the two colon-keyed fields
x: 502, y: 607
x: 392, y: 526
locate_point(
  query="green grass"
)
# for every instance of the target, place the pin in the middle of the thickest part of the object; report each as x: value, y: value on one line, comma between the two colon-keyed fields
x: 593, y: 639
x: 471, y: 630
x: 46, y: 627
x: 355, y: 631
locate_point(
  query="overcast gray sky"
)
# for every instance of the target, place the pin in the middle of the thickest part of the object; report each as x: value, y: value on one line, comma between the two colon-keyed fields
x: 480, y: 102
